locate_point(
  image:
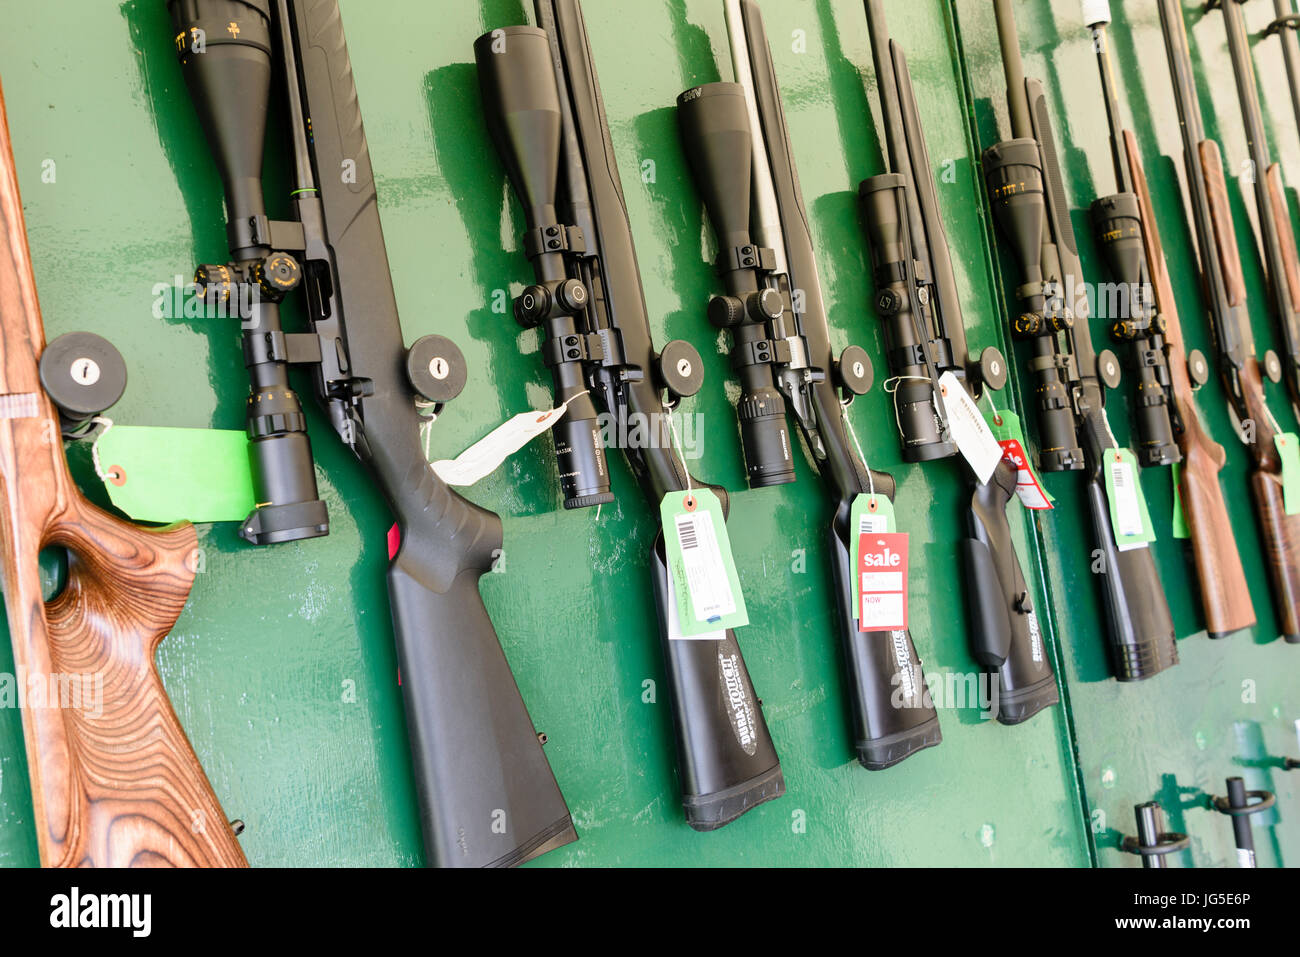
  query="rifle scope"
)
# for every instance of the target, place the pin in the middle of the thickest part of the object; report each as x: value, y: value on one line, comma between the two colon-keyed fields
x: 884, y: 209
x: 522, y: 105
x: 224, y: 48
x: 714, y: 124
x: 1014, y: 172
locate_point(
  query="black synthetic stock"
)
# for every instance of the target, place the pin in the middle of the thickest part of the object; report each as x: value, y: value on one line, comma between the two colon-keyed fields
x: 484, y: 756
x: 885, y: 733
x: 1005, y: 637
x: 487, y: 795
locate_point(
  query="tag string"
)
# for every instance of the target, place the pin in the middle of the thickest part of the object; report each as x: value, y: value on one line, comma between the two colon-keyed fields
x: 997, y: 416
x: 107, y: 423
x: 677, y: 450
x: 890, y: 385
x: 871, y: 482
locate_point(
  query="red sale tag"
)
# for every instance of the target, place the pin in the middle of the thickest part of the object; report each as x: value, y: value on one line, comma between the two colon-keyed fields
x: 1031, y: 493
x: 882, y: 581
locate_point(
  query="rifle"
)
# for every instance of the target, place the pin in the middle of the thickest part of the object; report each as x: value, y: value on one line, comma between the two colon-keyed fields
x: 474, y: 749
x: 1225, y: 291
x: 925, y: 337
x: 735, y: 139
x: 544, y: 110
x: 1021, y: 175
x: 1280, y: 260
x: 1167, y: 376
x: 1285, y: 26
x: 115, y: 782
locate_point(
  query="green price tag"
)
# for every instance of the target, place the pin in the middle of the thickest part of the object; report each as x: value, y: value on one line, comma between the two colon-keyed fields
x: 166, y: 475
x: 868, y: 515
x: 1180, y: 520
x: 703, y: 584
x: 1005, y: 425
x: 1129, y: 518
x: 1288, y: 447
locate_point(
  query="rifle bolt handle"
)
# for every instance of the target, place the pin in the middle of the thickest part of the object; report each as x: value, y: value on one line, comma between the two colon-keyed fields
x: 1198, y: 368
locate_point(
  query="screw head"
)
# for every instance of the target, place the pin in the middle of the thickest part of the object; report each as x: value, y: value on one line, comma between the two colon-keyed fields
x: 84, y: 371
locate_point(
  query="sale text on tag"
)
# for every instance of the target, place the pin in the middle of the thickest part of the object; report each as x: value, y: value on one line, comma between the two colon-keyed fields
x: 882, y: 581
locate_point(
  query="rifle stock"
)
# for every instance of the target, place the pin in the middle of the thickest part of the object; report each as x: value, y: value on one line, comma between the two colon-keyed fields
x: 1281, y: 532
x: 115, y: 782
x: 1225, y: 596
x: 1286, y: 236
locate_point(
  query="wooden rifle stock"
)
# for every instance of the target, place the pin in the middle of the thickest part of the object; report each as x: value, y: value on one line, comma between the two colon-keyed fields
x: 1281, y: 532
x: 1225, y: 595
x: 1285, y: 235
x: 114, y: 780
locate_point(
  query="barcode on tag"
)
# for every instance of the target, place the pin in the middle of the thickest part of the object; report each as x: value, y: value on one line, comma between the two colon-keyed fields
x: 1128, y: 513
x: 706, y: 575
x: 872, y: 524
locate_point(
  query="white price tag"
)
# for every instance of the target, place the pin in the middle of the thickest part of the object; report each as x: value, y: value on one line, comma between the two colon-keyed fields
x: 486, y: 455
x: 968, y: 429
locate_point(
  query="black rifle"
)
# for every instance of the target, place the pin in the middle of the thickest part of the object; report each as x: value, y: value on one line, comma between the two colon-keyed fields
x: 1224, y: 287
x: 1167, y: 374
x: 1028, y: 198
x: 487, y: 795
x: 1281, y: 262
x: 925, y: 337
x: 735, y: 138
x: 544, y: 110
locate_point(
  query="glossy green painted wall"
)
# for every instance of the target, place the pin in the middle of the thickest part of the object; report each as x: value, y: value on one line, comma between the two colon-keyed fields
x: 281, y: 667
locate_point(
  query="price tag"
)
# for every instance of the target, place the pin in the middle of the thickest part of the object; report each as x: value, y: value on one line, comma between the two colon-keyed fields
x: 882, y: 577
x: 879, y: 554
x: 168, y: 474
x: 1029, y: 488
x: 968, y: 428
x: 486, y: 455
x: 1180, y: 529
x: 1129, y: 518
x: 1288, y: 448
x: 675, y: 618
x: 701, y: 569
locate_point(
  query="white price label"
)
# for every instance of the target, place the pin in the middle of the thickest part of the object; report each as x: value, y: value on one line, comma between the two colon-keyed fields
x: 968, y: 429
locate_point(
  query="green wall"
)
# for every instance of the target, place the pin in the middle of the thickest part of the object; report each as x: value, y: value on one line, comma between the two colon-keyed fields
x: 281, y: 667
